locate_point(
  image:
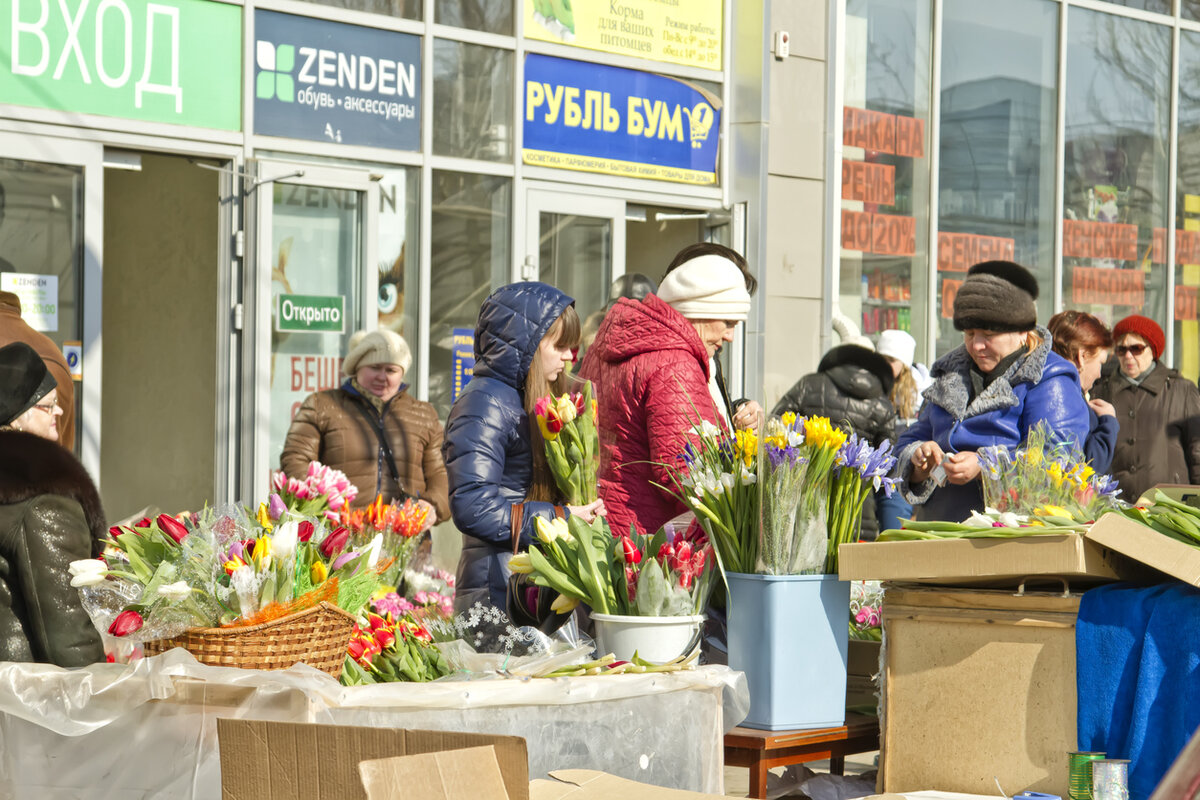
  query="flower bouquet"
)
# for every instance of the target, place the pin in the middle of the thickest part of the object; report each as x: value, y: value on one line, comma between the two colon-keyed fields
x: 323, y: 490
x: 861, y: 469
x: 397, y: 527
x: 666, y: 574
x: 1045, y: 472
x: 389, y: 648
x: 568, y: 426
x: 866, y: 603
x: 227, y: 572
x: 717, y: 480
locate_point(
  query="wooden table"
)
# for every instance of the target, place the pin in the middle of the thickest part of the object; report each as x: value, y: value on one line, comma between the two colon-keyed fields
x: 762, y: 750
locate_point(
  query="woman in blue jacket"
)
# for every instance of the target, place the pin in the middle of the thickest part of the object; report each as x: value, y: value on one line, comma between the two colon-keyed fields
x: 1085, y: 341
x: 990, y: 392
x: 494, y: 455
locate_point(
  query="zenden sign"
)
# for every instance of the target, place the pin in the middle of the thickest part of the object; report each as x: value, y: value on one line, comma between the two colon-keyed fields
x: 332, y: 82
x: 596, y: 118
x: 310, y: 313
x: 175, y: 61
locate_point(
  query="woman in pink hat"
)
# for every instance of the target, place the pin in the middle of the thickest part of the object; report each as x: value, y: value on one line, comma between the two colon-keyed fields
x: 1158, y: 409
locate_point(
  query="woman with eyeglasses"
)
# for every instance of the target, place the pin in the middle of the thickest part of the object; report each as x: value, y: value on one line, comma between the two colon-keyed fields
x: 990, y: 392
x: 50, y: 515
x: 1158, y: 409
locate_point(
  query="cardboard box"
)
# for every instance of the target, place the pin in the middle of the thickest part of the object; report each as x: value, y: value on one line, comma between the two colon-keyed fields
x: 297, y: 761
x: 1147, y: 546
x: 983, y: 562
x: 586, y: 784
x: 471, y: 772
x: 977, y: 685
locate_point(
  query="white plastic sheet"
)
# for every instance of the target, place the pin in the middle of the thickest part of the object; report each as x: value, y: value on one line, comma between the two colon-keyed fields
x: 148, y: 730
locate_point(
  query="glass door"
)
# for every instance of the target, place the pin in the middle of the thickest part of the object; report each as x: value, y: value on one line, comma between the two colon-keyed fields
x: 577, y: 243
x: 315, y: 234
x: 51, y: 242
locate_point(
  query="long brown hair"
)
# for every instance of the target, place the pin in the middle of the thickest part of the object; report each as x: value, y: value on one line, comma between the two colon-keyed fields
x: 565, y: 332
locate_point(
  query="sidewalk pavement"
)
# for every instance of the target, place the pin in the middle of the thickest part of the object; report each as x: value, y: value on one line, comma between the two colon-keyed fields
x: 737, y: 779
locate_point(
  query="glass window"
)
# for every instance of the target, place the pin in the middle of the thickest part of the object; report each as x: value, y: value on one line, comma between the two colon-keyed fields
x: 1190, y: 9
x: 398, y: 251
x: 885, y: 171
x: 316, y: 236
x: 472, y: 101
x: 471, y: 256
x: 1116, y: 166
x: 1187, y: 210
x: 996, y: 162
x: 405, y: 9
x: 492, y: 16
x: 1157, y: 6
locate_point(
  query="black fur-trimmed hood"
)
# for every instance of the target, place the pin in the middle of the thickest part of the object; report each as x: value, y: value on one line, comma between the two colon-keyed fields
x: 31, y: 466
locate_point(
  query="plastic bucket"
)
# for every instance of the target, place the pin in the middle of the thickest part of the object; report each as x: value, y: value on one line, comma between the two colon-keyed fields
x: 657, y: 639
x: 789, y: 634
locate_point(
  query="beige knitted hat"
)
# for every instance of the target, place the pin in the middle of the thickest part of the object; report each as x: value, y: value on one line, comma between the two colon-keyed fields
x: 376, y: 347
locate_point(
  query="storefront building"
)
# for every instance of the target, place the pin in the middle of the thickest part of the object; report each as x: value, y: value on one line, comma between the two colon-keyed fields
x: 204, y: 199
x: 1059, y: 134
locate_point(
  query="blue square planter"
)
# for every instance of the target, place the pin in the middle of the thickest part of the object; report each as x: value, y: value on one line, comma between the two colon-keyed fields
x: 789, y: 634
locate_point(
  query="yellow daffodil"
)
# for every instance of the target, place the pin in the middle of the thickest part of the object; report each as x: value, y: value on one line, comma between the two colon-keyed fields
x: 319, y: 572
x: 1033, y: 457
x: 747, y: 446
x: 563, y: 604
x: 521, y: 564
x: 818, y: 432
x: 1056, y: 473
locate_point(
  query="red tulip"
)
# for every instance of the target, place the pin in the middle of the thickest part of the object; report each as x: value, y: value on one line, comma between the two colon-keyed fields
x: 335, y: 542
x: 629, y: 552
x: 144, y: 522
x: 306, y: 531
x: 172, y: 527
x: 126, y: 623
x: 384, y: 638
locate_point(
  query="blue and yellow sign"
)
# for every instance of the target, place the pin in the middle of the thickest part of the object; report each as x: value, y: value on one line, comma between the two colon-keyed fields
x: 596, y: 118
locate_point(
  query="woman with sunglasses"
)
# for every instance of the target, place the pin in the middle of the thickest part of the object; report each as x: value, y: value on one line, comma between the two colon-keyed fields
x: 50, y: 515
x: 1159, y: 412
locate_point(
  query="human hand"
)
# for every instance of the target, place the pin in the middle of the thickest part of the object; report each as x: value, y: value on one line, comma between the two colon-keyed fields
x: 430, y: 520
x: 749, y: 415
x: 924, y: 460
x: 962, y: 468
x: 1103, y: 408
x: 589, y: 512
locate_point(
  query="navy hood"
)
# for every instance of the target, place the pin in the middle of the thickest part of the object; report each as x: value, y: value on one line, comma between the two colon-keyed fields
x: 512, y: 322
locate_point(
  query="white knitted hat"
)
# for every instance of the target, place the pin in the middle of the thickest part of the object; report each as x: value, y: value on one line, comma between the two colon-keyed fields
x: 377, y: 347
x: 897, y: 344
x: 707, y: 287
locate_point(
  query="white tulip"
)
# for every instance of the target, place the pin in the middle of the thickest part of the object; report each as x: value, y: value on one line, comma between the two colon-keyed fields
x: 284, y: 540
x: 174, y: 591
x: 87, y: 572
x: 374, y: 548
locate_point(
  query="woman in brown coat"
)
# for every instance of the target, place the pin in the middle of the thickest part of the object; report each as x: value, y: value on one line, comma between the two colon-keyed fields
x: 386, y: 441
x: 1158, y: 410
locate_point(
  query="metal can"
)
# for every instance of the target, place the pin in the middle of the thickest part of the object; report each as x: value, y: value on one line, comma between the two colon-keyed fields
x: 1079, y: 775
x: 1110, y: 779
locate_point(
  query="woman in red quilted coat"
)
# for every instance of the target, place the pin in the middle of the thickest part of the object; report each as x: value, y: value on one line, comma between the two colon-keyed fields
x: 650, y: 364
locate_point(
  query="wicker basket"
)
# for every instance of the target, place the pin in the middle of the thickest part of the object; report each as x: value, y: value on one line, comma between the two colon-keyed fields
x: 317, y: 636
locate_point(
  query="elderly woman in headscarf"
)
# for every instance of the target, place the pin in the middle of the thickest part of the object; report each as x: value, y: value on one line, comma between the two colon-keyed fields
x: 387, y: 442
x: 1158, y: 410
x: 50, y: 515
x: 651, y: 367
x: 989, y: 392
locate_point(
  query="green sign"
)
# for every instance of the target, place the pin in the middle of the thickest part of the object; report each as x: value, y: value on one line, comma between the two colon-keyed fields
x: 176, y: 61
x: 311, y: 313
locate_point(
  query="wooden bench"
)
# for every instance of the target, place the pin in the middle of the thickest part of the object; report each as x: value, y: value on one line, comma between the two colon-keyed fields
x: 763, y: 750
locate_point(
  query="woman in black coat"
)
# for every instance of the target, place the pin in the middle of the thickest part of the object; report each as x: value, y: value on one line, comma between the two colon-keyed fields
x: 50, y: 515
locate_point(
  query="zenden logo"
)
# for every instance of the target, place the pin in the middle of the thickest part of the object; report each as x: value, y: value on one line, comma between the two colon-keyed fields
x: 275, y: 66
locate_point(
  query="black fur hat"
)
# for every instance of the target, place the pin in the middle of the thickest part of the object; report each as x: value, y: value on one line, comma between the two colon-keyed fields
x: 24, y: 380
x: 860, y: 356
x: 997, y: 296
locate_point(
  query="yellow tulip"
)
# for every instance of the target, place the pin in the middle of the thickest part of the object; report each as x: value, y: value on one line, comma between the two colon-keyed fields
x: 318, y: 572
x: 521, y: 564
x: 264, y: 516
x: 564, y: 407
x: 563, y: 604
x: 1052, y: 511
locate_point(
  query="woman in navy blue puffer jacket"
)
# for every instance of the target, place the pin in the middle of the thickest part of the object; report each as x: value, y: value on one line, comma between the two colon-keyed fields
x: 494, y: 455
x: 990, y: 392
